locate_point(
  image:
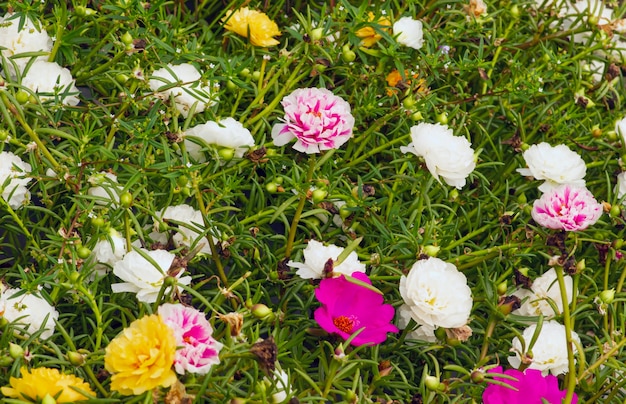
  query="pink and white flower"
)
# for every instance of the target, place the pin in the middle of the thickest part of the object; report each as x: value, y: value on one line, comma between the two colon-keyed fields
x: 318, y: 119
x: 567, y: 208
x: 198, y: 349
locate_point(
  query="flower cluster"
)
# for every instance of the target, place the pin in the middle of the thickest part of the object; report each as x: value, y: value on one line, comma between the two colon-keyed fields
x: 142, y: 356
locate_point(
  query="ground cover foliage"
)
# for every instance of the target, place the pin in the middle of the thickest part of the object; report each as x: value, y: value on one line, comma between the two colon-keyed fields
x: 514, y: 76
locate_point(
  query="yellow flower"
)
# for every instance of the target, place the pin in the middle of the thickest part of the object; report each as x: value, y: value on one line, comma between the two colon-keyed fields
x: 36, y: 384
x: 253, y: 24
x: 369, y: 36
x: 141, y: 357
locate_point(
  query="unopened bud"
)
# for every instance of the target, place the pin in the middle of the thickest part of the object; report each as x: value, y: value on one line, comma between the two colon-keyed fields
x: 261, y: 311
x: 580, y: 266
x: 317, y: 34
x: 478, y: 375
x: 15, y: 351
x: 350, y: 396
x: 432, y: 383
x: 431, y: 250
x: 48, y: 399
x: 502, y: 288
x: 76, y: 359
x: 607, y: 296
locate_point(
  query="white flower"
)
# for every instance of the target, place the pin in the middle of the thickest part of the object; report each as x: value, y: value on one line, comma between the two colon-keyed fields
x: 282, y: 386
x: 595, y: 67
x: 620, y: 188
x: 225, y: 133
x: 409, y: 32
x: 12, y: 181
x: 446, y: 155
x: 556, y: 165
x: 49, y: 81
x: 620, y: 128
x: 28, y: 311
x: 104, y: 188
x: 190, y: 225
x: 544, y: 292
x: 549, y: 353
x: 437, y: 294
x: 422, y: 332
x: 142, y: 277
x: 108, y: 251
x: 316, y: 255
x: 189, y: 93
x: 16, y: 42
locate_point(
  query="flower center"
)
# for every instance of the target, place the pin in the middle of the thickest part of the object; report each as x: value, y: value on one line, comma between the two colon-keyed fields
x: 344, y: 323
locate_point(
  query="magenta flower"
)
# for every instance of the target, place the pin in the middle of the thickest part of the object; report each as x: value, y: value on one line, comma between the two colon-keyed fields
x: 530, y: 387
x: 317, y: 118
x: 348, y: 307
x: 198, y: 351
x: 566, y: 208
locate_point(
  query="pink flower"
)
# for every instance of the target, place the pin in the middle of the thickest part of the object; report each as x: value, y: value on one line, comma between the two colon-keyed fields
x: 317, y: 118
x: 567, y: 208
x: 198, y: 351
x: 529, y: 387
x: 348, y: 307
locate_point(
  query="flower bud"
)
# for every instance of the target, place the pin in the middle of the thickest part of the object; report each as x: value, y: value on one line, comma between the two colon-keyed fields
x: 4, y: 135
x: 580, y: 266
x: 319, y: 195
x: 5, y: 361
x: 256, y: 75
x: 245, y: 72
x: 478, y: 375
x: 615, y: 211
x: 82, y: 11
x: 431, y: 250
x: 607, y: 296
x: 514, y: 10
x: 76, y: 359
x: 126, y: 200
x: 48, y: 399
x: 83, y: 252
x: 417, y: 116
x: 442, y: 118
x: 226, y: 153
x: 440, y: 333
x: 22, y: 97
x: 350, y: 396
x: 15, y: 351
x: 409, y: 102
x: 432, y: 383
x: 317, y: 34
x: 271, y: 187
x: 501, y: 288
x: 121, y: 78
x: 127, y: 38
x: 262, y: 312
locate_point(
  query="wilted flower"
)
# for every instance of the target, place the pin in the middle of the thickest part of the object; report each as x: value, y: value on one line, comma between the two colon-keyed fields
x: 225, y: 133
x: 17, y: 41
x: 144, y: 278
x: 190, y: 90
x: 476, y: 8
x: 51, y: 81
x: 544, y: 295
x: 254, y: 25
x: 348, y: 307
x: 190, y: 227
x: 198, y: 350
x: 437, y: 294
x: 12, y: 179
x: 38, y: 383
x: 105, y: 188
x: 369, y: 35
x: 447, y: 156
x: 316, y: 256
x: 556, y: 165
x: 566, y: 208
x: 28, y: 311
x: 529, y: 386
x: 318, y: 119
x: 549, y: 353
x: 141, y: 357
x: 408, y: 32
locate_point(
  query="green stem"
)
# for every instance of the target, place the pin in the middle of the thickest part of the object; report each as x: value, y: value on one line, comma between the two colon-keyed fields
x: 31, y: 133
x: 299, y: 209
x: 571, y: 375
x: 490, y: 328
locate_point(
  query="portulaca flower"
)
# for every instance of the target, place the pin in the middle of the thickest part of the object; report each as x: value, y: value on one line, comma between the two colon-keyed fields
x: 620, y: 128
x: 225, y: 133
x: 13, y: 181
x: 190, y: 228
x: 437, y: 294
x: 556, y: 165
x: 51, y: 81
x: 29, y: 311
x: 422, y: 332
x: 279, y: 394
x: 190, y: 92
x: 17, y: 41
x: 105, y: 188
x: 447, y: 156
x: 566, y: 208
x: 408, y: 32
x: 620, y: 187
x: 543, y: 295
x: 142, y: 277
x: 316, y: 255
x: 549, y: 353
x: 318, y: 120
x: 108, y: 251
